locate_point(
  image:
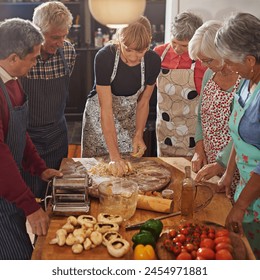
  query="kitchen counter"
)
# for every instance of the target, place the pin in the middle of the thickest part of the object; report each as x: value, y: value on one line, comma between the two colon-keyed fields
x: 216, y: 212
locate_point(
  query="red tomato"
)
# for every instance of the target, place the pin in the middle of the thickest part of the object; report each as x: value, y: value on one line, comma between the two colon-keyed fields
x: 189, y: 247
x: 207, y: 243
x: 223, y: 254
x: 196, y: 234
x: 178, y: 244
x: 181, y: 238
x: 222, y: 239
x: 203, y: 236
x: 224, y: 245
x: 184, y: 231
x: 222, y: 232
x: 176, y: 249
x: 211, y: 235
x: 211, y: 230
x: 206, y: 253
x: 172, y: 233
x: 184, y: 256
x: 188, y: 239
x: 200, y: 258
x: 193, y: 254
x: 175, y: 239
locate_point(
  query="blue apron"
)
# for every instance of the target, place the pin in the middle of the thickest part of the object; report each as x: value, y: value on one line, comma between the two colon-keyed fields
x: 247, y: 158
x: 15, y: 243
x: 47, y: 123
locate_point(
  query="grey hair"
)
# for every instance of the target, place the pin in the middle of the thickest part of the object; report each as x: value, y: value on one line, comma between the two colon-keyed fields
x: 203, y: 40
x: 239, y: 37
x: 51, y: 14
x: 18, y: 36
x: 185, y: 25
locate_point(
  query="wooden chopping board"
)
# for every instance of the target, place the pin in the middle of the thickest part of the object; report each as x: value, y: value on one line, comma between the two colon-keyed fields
x: 149, y: 174
x: 239, y: 253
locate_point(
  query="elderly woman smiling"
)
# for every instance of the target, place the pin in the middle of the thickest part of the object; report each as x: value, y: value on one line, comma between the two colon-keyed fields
x: 218, y: 88
x: 238, y: 42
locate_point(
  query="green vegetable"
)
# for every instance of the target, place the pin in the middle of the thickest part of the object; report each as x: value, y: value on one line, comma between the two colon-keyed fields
x: 154, y: 226
x: 144, y: 237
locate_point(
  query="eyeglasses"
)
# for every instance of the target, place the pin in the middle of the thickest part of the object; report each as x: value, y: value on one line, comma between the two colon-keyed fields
x: 207, y: 62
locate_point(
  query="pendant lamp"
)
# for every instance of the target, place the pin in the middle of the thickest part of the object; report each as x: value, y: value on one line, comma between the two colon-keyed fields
x: 116, y: 13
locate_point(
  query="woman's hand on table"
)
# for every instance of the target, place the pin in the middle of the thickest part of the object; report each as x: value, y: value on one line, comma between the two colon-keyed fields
x: 234, y: 219
x: 118, y: 168
x: 139, y: 147
x: 208, y: 171
x: 224, y: 184
x: 199, y: 158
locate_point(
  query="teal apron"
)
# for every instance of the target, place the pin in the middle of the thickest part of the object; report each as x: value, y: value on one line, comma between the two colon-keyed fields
x: 247, y: 158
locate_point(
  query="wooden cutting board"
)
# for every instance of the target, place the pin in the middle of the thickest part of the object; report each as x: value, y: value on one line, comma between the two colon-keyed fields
x: 149, y: 174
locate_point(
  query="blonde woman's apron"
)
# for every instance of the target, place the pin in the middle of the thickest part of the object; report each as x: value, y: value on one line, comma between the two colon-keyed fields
x: 177, y: 111
x: 215, y: 112
x: 124, y: 111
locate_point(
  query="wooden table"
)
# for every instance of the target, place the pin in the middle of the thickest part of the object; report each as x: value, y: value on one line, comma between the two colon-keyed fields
x: 216, y: 212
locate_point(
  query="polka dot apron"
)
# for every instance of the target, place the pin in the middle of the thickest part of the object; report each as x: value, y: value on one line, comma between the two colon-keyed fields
x: 177, y: 110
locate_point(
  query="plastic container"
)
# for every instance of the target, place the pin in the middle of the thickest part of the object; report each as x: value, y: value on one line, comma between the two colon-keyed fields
x: 168, y: 194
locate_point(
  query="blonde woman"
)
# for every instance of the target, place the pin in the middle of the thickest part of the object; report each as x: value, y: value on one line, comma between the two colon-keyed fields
x: 118, y: 105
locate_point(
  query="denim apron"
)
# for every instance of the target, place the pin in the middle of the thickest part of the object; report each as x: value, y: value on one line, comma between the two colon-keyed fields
x: 177, y: 111
x: 247, y: 158
x: 47, y: 123
x: 124, y: 110
x: 15, y: 242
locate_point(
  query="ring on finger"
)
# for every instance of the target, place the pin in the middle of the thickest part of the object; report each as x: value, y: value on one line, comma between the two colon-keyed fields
x: 235, y: 227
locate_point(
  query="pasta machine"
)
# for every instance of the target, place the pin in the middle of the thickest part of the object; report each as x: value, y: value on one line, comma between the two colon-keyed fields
x: 69, y: 195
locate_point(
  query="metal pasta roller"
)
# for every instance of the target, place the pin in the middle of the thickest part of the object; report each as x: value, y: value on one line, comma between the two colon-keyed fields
x: 70, y: 192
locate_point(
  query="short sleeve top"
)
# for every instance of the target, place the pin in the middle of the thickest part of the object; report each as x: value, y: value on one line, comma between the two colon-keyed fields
x: 128, y: 78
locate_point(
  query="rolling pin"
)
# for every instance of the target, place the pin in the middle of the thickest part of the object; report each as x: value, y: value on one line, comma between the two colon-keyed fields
x: 153, y: 203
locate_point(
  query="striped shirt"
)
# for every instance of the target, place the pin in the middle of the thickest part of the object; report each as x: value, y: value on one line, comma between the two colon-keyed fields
x: 54, y: 66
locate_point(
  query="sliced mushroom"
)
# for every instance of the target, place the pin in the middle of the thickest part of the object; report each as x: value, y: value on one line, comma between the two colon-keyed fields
x: 87, y: 220
x: 110, y: 235
x: 104, y: 227
x: 108, y: 218
x: 118, y: 247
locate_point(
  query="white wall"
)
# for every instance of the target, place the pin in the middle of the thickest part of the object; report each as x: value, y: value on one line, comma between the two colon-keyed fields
x: 208, y: 9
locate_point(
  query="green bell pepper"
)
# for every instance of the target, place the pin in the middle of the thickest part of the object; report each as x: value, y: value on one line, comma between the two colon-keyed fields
x: 144, y: 237
x: 154, y: 226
